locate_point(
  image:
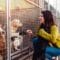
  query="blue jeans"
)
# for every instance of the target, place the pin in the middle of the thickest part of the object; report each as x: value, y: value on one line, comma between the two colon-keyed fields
x: 51, y: 51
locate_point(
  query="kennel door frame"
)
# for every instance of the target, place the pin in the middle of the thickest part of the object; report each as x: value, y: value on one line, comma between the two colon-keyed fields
x: 8, y: 29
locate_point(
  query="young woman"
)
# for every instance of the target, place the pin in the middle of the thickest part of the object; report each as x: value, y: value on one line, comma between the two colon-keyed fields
x: 45, y: 45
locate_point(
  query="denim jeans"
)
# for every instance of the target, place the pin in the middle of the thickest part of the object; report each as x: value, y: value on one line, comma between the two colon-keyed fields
x: 51, y: 52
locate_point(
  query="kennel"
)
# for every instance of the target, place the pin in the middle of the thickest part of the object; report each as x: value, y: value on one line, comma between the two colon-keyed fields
x: 27, y: 11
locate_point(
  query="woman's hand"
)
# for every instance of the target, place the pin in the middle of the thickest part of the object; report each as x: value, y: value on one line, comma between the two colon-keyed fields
x: 29, y: 32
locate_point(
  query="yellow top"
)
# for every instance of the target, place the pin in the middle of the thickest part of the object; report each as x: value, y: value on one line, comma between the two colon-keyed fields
x: 53, y: 37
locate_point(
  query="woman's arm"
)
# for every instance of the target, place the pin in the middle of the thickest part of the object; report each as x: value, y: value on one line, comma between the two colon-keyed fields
x: 54, y: 33
x: 54, y: 37
x: 44, y: 34
x: 50, y: 37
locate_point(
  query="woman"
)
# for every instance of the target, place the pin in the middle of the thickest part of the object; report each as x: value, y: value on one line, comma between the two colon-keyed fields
x: 45, y: 44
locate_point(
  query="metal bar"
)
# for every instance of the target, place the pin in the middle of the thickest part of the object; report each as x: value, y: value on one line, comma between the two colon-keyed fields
x: 8, y: 36
x: 19, y: 51
x: 33, y: 3
x: 26, y: 56
x: 20, y: 54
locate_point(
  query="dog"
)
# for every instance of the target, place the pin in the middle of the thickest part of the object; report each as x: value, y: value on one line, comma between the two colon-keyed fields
x: 17, y: 42
x: 16, y: 38
x: 2, y: 41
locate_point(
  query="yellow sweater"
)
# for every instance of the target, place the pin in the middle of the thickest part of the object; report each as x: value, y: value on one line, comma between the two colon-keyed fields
x: 53, y: 37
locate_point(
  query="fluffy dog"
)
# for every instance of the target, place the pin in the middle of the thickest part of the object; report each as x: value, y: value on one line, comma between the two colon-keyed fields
x: 17, y: 39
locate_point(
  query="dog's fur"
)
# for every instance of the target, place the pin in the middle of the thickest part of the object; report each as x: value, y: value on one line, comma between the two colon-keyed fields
x: 2, y: 43
x: 16, y: 40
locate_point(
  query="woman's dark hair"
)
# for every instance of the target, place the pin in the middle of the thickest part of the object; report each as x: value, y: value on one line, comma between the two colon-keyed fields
x: 48, y: 17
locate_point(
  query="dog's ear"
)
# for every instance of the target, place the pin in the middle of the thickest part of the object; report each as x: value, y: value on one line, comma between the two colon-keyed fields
x: 13, y: 38
x: 22, y: 33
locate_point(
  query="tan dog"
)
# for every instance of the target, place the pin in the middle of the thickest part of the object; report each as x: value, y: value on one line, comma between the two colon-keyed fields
x: 15, y: 23
x: 2, y: 41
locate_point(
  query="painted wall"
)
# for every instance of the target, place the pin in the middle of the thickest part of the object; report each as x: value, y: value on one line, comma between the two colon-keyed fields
x: 20, y: 4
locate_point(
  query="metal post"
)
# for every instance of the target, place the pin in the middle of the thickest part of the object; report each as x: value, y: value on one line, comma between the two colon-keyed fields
x: 8, y: 29
x: 48, y: 5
